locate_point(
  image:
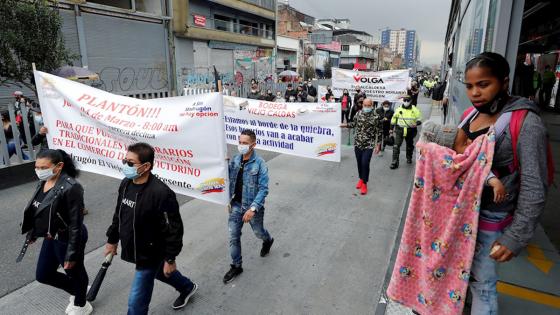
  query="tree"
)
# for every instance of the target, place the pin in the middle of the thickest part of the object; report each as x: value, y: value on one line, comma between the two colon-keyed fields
x: 328, y: 69
x: 30, y: 32
x: 309, y: 72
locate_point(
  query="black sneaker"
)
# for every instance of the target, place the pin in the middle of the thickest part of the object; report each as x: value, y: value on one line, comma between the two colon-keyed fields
x: 183, y: 299
x: 394, y: 165
x: 232, y: 273
x: 409, y: 161
x: 266, y: 247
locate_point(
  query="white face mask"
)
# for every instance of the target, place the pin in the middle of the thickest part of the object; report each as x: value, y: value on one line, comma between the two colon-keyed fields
x: 385, y: 108
x: 406, y: 104
x: 243, y: 148
x: 44, y: 175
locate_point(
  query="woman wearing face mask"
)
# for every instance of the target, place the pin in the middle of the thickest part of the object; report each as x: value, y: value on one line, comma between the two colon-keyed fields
x: 346, y: 103
x: 55, y: 213
x: 405, y: 122
x: 386, y: 114
x: 356, y: 108
x: 506, y: 224
x: 369, y: 134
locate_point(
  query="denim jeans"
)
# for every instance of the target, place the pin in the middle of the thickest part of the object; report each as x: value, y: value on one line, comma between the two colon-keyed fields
x: 74, y: 281
x: 363, y: 158
x: 235, y: 224
x: 143, y: 286
x: 483, y: 271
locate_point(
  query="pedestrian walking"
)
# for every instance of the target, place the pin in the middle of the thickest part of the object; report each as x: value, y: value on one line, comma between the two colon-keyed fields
x: 413, y: 93
x: 346, y: 104
x: 386, y: 115
x: 506, y: 221
x: 548, y: 80
x: 148, y: 224
x: 369, y: 133
x: 404, y: 123
x: 55, y: 214
x: 248, y: 177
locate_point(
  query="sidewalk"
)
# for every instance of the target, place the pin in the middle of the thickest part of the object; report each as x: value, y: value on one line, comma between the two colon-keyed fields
x: 330, y: 254
x: 529, y: 284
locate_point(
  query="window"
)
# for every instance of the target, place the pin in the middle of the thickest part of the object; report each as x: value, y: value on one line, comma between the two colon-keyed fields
x: 248, y: 28
x: 223, y: 23
x: 123, y: 4
x: 345, y: 47
x: 149, y: 6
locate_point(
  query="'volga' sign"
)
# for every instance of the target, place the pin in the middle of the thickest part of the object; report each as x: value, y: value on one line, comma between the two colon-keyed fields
x: 379, y: 86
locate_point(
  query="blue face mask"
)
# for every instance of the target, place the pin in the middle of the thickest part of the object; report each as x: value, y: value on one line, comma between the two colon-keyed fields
x: 130, y: 172
x: 367, y: 110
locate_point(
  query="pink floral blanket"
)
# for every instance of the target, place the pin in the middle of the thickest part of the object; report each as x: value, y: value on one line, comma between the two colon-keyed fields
x: 433, y: 264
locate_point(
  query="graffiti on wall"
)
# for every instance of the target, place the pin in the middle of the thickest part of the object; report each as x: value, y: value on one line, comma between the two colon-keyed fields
x: 204, y: 76
x: 125, y: 79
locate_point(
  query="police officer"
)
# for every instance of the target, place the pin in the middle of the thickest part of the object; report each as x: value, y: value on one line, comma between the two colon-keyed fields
x: 404, y: 125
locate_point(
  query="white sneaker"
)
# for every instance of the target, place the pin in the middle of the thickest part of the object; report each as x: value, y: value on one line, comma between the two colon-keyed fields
x: 71, y: 299
x: 84, y: 310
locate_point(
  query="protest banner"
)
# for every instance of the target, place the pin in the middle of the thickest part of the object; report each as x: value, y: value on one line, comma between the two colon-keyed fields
x: 321, y: 92
x: 379, y: 86
x: 310, y: 130
x: 95, y: 127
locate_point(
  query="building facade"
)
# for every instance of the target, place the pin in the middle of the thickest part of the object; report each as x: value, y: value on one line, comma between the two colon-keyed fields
x: 237, y: 37
x: 404, y: 43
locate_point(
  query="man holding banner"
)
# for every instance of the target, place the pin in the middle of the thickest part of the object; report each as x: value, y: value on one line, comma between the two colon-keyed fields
x: 248, y: 177
x: 148, y: 224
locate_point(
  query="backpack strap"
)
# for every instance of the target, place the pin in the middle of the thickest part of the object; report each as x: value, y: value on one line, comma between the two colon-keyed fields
x: 515, y: 124
x: 467, y: 114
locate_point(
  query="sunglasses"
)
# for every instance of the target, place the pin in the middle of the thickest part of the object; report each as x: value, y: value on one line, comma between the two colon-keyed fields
x: 129, y: 163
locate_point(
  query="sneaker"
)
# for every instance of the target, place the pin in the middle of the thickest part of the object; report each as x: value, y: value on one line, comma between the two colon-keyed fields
x: 71, y: 300
x: 81, y: 310
x: 266, y: 247
x: 363, y: 191
x: 359, y: 184
x: 232, y: 273
x: 183, y: 299
x: 394, y: 165
x: 409, y: 161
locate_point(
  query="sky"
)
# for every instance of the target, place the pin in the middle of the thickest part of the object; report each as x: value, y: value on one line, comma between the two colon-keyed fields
x: 428, y: 17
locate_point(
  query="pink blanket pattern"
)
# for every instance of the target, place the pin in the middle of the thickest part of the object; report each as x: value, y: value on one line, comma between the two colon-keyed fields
x: 433, y: 264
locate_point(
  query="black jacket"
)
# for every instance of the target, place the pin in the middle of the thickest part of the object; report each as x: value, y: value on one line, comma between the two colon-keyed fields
x: 60, y: 215
x: 311, y: 90
x: 289, y: 93
x: 158, y: 228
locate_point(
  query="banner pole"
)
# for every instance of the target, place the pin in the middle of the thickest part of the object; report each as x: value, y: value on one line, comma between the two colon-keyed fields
x: 218, y: 81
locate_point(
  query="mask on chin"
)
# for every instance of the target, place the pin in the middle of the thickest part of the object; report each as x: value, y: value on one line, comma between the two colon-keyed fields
x: 494, y: 106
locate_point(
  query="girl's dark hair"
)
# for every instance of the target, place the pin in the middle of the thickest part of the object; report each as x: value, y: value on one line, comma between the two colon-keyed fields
x: 496, y: 63
x: 57, y: 156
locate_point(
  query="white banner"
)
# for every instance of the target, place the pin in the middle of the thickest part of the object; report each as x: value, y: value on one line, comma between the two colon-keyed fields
x: 379, y: 86
x: 96, y: 127
x: 310, y: 130
x: 321, y: 92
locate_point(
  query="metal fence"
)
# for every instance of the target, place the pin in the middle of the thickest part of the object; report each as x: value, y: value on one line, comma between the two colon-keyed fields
x: 18, y: 147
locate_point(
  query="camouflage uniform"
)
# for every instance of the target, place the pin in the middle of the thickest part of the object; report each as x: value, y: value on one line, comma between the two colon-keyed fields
x: 369, y: 129
x: 369, y: 133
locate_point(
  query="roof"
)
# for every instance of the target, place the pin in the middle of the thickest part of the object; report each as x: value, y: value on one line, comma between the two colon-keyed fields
x: 343, y: 32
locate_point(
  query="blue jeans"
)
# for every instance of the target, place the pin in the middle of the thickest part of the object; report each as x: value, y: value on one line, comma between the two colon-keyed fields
x: 74, y: 281
x: 235, y: 224
x: 483, y: 271
x: 143, y: 286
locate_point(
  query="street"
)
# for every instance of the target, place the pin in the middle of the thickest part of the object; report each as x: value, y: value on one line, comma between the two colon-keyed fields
x: 330, y: 256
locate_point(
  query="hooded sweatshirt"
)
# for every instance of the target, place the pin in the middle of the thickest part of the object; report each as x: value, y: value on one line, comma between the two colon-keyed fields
x: 527, y: 186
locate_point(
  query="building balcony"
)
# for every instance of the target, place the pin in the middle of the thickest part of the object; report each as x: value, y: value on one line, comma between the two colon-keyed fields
x: 366, y: 55
x: 228, y: 31
x: 263, y: 8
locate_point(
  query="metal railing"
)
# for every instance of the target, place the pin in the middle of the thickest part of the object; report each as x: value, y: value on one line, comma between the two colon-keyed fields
x: 18, y: 148
x: 233, y: 27
x: 267, y: 4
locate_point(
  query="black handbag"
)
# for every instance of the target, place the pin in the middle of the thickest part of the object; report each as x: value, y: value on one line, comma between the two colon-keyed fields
x: 390, y: 141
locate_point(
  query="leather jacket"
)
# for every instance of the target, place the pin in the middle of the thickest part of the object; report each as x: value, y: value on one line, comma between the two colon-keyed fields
x: 60, y: 216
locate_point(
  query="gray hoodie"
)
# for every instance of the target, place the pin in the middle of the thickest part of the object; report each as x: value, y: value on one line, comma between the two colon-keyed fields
x: 526, y: 187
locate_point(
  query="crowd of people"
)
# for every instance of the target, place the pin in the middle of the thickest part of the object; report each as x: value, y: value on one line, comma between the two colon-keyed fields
x: 148, y: 224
